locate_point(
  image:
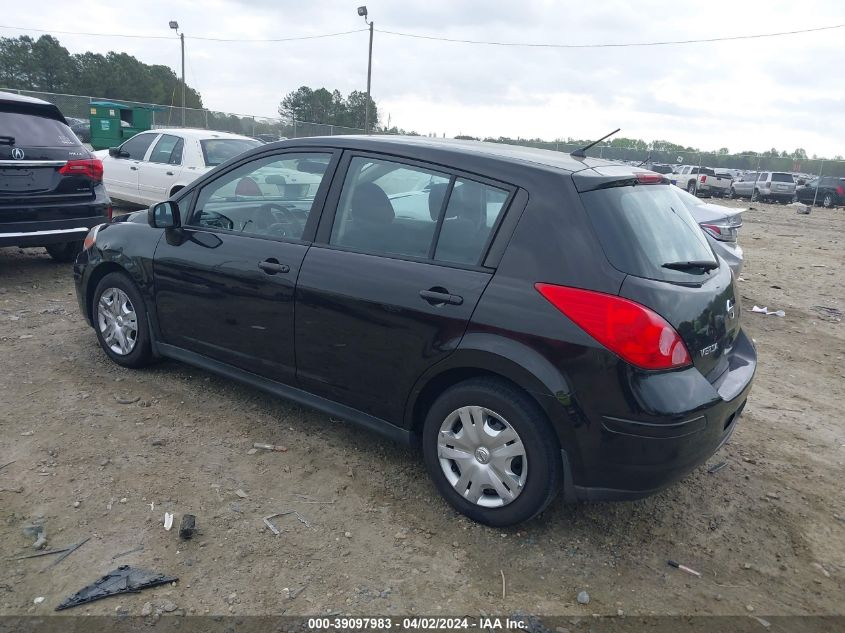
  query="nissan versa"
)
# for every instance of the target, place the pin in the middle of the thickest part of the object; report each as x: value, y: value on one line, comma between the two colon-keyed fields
x: 534, y: 320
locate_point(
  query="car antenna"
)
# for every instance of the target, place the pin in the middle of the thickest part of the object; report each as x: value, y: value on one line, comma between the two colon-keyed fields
x: 582, y: 153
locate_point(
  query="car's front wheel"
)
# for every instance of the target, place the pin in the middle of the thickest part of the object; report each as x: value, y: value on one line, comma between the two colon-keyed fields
x: 491, y: 452
x: 120, y: 321
x: 64, y: 253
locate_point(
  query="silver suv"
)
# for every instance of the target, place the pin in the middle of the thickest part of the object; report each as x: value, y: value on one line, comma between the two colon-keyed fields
x: 765, y: 186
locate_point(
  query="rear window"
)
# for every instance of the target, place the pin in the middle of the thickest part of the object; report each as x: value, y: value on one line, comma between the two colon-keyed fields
x: 782, y: 177
x: 219, y: 150
x: 30, y: 130
x: 643, y: 227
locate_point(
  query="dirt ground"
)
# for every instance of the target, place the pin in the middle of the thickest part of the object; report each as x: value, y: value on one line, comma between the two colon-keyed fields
x: 767, y: 531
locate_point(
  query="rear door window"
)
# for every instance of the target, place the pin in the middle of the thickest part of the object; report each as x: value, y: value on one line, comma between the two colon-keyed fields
x: 218, y: 150
x: 168, y: 150
x: 642, y: 228
x: 470, y: 216
x: 29, y: 130
x: 389, y: 208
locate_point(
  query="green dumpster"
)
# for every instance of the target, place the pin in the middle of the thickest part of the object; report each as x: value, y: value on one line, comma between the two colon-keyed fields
x: 112, y: 123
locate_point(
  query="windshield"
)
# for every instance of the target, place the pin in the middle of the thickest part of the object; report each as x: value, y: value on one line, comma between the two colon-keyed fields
x: 30, y: 130
x: 642, y: 228
x: 219, y: 150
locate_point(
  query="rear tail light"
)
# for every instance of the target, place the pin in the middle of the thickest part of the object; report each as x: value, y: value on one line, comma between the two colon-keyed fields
x: 721, y: 232
x: 840, y: 190
x: 110, y: 212
x: 636, y: 334
x: 90, y: 167
x: 703, y: 178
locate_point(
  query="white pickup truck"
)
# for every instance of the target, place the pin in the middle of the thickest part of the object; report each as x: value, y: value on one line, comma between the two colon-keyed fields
x: 700, y: 180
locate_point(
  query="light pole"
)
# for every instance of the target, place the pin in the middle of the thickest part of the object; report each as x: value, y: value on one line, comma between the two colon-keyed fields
x: 175, y: 26
x: 362, y: 11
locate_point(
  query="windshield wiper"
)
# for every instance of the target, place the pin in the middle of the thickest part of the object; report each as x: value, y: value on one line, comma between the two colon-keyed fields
x: 703, y: 265
x: 7, y: 140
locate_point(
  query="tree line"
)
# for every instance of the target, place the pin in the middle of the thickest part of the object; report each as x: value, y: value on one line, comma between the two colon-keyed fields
x: 45, y: 65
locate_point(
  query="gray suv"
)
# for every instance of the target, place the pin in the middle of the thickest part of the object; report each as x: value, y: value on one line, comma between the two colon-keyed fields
x: 765, y: 186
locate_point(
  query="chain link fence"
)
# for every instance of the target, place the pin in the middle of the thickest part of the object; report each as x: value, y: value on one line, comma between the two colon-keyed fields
x: 275, y: 128
x: 272, y: 128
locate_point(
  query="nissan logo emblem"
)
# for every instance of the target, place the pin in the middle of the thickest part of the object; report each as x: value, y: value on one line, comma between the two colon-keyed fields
x: 17, y: 153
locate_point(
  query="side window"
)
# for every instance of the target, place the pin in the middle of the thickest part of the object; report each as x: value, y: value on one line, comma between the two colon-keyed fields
x: 471, y: 214
x: 388, y: 208
x: 168, y: 150
x: 271, y: 196
x: 137, y: 146
x: 762, y: 177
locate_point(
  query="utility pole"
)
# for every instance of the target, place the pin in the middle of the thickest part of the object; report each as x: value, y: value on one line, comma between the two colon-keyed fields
x: 362, y: 11
x: 175, y: 26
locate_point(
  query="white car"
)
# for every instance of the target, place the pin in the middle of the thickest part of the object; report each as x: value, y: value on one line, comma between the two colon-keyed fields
x: 152, y: 166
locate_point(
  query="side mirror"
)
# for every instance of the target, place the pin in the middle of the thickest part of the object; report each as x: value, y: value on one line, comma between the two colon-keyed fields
x: 114, y: 152
x: 164, y: 215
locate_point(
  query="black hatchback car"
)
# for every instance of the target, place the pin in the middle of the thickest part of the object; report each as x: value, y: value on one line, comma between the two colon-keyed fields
x: 51, y: 186
x: 532, y: 319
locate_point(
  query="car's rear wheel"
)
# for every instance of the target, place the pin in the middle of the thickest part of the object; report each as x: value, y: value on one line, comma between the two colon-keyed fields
x: 120, y: 320
x: 827, y: 201
x: 691, y: 187
x: 755, y: 195
x: 732, y: 193
x: 491, y: 452
x: 65, y: 252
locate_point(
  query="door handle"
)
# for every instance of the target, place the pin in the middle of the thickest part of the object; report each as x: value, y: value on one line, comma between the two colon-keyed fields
x: 272, y: 266
x: 133, y: 168
x: 170, y: 173
x: 440, y: 296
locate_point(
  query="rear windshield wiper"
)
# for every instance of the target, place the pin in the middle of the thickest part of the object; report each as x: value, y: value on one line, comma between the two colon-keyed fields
x: 7, y: 140
x: 703, y: 265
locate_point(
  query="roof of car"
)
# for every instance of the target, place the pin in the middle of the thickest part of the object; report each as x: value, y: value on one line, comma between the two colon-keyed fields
x: 197, y: 133
x: 500, y: 151
x: 22, y: 103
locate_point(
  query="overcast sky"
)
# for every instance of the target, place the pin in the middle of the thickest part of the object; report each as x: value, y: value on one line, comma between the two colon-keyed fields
x: 785, y: 92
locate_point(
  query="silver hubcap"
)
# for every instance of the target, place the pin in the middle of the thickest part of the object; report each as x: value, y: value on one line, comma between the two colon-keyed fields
x: 482, y: 456
x: 117, y: 321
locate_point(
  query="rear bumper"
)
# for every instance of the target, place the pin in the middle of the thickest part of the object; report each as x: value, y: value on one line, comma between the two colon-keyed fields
x: 48, y: 232
x: 628, y: 457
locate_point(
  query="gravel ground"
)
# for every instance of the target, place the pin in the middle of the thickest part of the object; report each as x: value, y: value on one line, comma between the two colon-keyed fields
x: 102, y: 452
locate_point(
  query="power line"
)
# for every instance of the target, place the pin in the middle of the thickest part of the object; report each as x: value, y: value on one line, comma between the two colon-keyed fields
x: 610, y: 45
x: 447, y: 39
x: 189, y: 37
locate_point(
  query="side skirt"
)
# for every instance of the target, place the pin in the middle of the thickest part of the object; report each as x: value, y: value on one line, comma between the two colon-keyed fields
x: 299, y: 396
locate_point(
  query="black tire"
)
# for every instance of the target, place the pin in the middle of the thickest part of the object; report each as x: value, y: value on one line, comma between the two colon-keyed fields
x: 542, y: 451
x: 827, y: 201
x: 732, y: 194
x: 691, y: 188
x: 141, y: 353
x: 64, y: 253
x: 755, y: 195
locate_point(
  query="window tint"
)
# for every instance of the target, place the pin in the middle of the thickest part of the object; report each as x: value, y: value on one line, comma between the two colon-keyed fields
x: 218, y: 150
x: 643, y: 227
x: 30, y: 130
x: 763, y: 176
x: 389, y: 208
x: 168, y: 150
x: 137, y: 146
x: 782, y: 178
x: 471, y: 213
x: 271, y: 197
